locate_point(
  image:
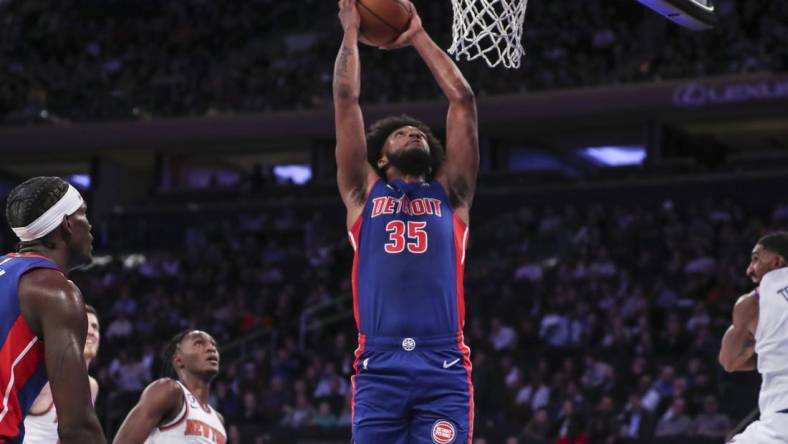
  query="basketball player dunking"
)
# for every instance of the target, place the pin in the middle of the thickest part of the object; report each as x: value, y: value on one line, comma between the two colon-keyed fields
x: 42, y: 315
x: 41, y: 421
x: 176, y: 411
x: 407, y: 216
x: 758, y: 339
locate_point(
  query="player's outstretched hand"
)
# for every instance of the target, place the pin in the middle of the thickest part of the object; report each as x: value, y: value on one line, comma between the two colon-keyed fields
x: 415, y: 28
x: 348, y: 15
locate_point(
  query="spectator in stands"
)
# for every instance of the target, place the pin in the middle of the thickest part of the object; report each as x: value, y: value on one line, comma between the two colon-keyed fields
x: 675, y: 421
x: 502, y: 336
x: 571, y: 425
x: 324, y: 416
x: 603, y: 425
x: 538, y: 429
x: 636, y: 422
x: 711, y: 422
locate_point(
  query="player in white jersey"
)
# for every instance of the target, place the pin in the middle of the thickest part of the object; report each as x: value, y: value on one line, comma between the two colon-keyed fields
x: 41, y: 420
x: 758, y: 339
x: 176, y: 411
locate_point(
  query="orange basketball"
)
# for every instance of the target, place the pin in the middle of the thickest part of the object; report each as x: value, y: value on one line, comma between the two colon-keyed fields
x: 382, y: 21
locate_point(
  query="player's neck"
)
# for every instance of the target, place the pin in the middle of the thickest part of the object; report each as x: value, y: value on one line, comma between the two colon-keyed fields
x: 200, y: 388
x: 393, y: 174
x: 56, y: 255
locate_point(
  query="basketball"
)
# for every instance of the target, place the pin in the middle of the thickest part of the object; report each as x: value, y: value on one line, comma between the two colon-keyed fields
x: 382, y: 21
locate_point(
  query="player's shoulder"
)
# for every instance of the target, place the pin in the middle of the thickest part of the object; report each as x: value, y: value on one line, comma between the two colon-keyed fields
x: 47, y: 282
x: 746, y: 300
x: 45, y: 295
x: 164, y: 385
x: 162, y: 394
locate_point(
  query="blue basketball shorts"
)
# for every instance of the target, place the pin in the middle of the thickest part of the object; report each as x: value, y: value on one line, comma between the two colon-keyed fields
x: 412, y: 391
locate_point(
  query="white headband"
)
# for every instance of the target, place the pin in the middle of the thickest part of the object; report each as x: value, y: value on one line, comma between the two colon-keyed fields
x: 52, y: 218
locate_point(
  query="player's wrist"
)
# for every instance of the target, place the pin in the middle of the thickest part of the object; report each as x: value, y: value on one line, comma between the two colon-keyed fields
x: 420, y: 38
x: 351, y: 31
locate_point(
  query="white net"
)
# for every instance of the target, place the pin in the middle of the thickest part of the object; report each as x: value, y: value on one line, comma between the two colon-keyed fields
x: 491, y: 29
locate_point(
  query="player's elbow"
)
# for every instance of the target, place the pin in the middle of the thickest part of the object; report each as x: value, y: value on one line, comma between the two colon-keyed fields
x: 345, y: 93
x: 80, y: 431
x: 728, y: 364
x: 463, y: 95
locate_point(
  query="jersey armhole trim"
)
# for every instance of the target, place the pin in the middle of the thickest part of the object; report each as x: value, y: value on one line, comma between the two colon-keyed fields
x: 182, y: 415
x: 372, y: 185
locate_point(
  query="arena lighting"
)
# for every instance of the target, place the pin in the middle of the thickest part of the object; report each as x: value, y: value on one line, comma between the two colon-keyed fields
x: 298, y: 173
x: 615, y: 156
x: 697, y: 15
x: 524, y: 159
x: 80, y: 181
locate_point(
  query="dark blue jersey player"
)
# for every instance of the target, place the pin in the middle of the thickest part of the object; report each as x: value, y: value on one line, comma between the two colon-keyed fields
x: 42, y: 316
x: 407, y: 212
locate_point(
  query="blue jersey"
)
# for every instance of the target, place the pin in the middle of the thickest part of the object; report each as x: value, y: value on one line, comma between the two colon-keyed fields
x: 22, y: 370
x: 408, y: 266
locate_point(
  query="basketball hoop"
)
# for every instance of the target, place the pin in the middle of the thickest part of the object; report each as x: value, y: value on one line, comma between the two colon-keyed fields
x: 491, y: 29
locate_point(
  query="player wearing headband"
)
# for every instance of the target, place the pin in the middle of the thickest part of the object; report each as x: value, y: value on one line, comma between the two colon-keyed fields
x: 43, y: 323
x: 175, y: 410
x: 41, y: 420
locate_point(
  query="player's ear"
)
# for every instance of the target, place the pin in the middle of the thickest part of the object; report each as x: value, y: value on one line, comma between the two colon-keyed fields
x: 382, y: 162
x: 177, y: 361
x: 66, y: 227
x: 780, y: 261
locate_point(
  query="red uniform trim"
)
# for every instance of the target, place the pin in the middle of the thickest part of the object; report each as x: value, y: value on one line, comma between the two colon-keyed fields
x: 17, y: 346
x: 460, y: 233
x: 177, y: 420
x: 466, y: 362
x: 359, y: 351
x: 355, y: 234
x: 460, y: 240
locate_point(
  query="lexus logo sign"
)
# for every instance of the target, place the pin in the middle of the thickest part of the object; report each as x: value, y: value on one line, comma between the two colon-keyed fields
x: 696, y: 94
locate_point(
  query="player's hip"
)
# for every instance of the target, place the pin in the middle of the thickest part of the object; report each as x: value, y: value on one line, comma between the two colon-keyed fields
x: 413, y: 361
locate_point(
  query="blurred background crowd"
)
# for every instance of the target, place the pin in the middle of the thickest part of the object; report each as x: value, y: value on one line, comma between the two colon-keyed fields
x: 131, y: 59
x: 592, y: 323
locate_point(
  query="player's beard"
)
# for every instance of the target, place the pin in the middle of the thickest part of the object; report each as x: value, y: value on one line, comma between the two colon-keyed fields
x: 412, y: 162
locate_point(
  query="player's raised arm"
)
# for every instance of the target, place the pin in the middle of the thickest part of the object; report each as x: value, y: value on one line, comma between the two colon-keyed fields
x: 459, y: 171
x: 738, y: 345
x: 353, y: 170
x: 159, y: 403
x: 62, y: 322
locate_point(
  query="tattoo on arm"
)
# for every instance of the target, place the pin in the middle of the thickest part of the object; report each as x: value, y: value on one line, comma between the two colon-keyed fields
x: 748, y: 344
x: 344, y: 57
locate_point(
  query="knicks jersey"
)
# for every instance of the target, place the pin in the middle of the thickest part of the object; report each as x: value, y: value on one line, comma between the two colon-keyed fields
x: 408, y: 266
x: 42, y: 428
x: 771, y: 341
x: 193, y: 425
x: 22, y: 369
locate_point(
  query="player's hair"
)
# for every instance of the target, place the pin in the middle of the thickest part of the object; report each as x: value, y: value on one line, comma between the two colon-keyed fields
x: 168, y: 370
x: 91, y: 309
x: 776, y: 242
x: 382, y: 129
x: 29, y: 200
